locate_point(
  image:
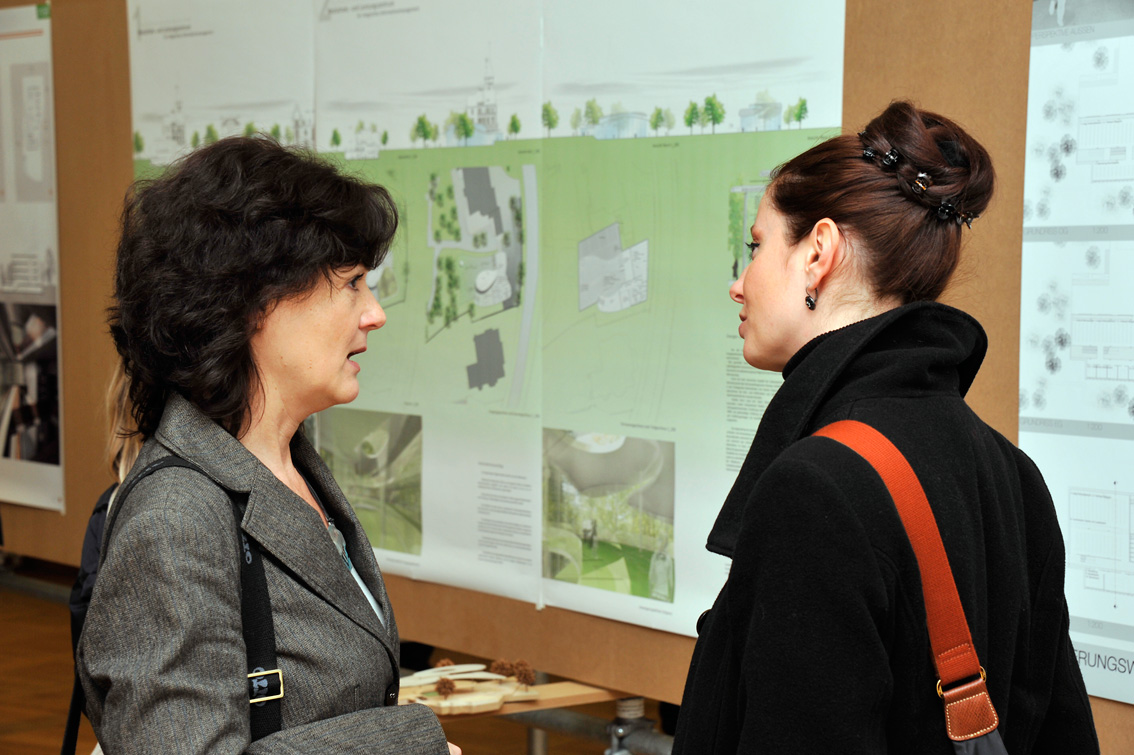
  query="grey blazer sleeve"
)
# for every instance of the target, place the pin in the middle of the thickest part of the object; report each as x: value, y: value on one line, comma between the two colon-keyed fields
x: 162, y: 656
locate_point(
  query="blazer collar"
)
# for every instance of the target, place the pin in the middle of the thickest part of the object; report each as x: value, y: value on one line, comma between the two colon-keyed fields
x: 283, y: 524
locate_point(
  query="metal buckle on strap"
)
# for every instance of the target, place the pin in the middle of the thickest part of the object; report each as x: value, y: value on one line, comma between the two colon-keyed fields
x: 258, y: 684
x: 941, y: 692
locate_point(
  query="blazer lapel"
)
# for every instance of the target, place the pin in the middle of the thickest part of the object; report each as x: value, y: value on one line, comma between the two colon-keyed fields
x: 291, y: 531
x: 282, y: 523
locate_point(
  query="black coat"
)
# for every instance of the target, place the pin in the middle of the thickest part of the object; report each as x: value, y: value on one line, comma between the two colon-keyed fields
x: 817, y: 642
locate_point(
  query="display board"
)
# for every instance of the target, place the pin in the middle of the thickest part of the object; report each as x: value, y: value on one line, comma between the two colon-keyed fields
x: 30, y: 449
x: 903, y: 49
x: 1077, y: 317
x: 541, y: 417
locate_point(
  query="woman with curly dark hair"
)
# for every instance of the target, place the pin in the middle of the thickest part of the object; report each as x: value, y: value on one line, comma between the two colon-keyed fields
x: 240, y: 304
x: 819, y: 641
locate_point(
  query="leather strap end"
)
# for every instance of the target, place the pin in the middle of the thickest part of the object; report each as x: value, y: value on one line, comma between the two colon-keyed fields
x: 968, y: 711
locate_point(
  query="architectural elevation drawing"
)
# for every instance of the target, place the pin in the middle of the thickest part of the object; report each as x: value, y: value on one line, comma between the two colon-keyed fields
x: 650, y: 81
x: 474, y: 83
x: 205, y: 70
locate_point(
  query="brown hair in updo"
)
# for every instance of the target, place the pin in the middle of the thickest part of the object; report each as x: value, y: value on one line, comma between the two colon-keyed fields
x: 906, y: 245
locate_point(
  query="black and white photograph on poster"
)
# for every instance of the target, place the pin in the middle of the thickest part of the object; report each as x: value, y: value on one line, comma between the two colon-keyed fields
x: 29, y: 379
x: 30, y: 414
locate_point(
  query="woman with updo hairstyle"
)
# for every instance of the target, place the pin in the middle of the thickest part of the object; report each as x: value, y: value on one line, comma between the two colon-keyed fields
x: 818, y: 642
x: 240, y: 303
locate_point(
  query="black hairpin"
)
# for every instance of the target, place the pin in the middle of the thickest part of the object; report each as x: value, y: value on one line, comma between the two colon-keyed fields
x: 921, y: 183
x: 890, y: 159
x: 868, y: 153
x: 946, y: 210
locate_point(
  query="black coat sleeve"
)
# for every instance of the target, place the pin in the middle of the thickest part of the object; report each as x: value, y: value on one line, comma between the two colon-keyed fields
x: 815, y: 671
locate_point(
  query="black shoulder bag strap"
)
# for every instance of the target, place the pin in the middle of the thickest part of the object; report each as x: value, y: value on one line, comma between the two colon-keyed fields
x: 265, y: 681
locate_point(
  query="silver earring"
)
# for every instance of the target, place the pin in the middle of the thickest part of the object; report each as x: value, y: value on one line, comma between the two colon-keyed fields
x: 809, y: 300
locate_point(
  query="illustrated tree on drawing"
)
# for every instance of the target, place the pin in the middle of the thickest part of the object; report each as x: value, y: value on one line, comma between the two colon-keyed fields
x: 211, y: 135
x: 463, y: 127
x: 336, y: 138
x: 514, y: 125
x: 549, y: 117
x: 669, y: 120
x: 657, y: 120
x: 714, y: 111
x: 576, y: 121
x: 139, y: 143
x: 422, y: 129
x: 592, y: 112
x: 249, y: 128
x: 692, y: 116
x: 800, y: 111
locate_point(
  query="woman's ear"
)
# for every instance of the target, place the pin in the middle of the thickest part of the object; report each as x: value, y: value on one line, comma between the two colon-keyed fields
x: 826, y: 246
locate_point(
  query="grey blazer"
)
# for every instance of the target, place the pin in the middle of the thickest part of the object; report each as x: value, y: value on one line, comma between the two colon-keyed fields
x: 162, y: 656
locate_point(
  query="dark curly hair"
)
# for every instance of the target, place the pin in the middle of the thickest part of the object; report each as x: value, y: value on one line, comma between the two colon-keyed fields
x: 909, y: 245
x: 210, y: 246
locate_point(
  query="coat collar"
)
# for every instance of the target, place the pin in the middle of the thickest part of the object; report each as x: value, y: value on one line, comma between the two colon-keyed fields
x: 824, y: 372
x: 283, y: 524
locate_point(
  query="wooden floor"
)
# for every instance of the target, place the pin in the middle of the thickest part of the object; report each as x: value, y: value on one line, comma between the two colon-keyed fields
x: 36, y: 672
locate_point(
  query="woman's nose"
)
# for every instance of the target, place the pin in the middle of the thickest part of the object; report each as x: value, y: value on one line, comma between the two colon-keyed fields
x: 373, y: 317
x: 735, y: 292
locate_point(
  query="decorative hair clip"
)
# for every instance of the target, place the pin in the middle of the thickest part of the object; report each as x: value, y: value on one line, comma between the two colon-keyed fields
x: 868, y: 153
x: 947, y: 212
x: 890, y: 159
x: 921, y: 183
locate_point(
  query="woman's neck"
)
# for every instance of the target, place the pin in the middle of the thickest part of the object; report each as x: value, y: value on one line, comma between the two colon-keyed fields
x: 268, y: 434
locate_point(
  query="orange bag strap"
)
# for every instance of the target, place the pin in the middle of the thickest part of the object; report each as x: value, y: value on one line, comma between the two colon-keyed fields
x: 968, y: 707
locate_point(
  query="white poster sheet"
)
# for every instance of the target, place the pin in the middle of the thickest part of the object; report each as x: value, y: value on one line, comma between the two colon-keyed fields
x: 556, y: 406
x: 1077, y: 317
x: 30, y: 427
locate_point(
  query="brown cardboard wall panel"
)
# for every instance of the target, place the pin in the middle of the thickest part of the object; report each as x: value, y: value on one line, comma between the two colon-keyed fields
x: 967, y: 60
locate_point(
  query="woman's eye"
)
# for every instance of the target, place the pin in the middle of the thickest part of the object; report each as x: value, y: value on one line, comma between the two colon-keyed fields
x: 753, y: 246
x: 354, y: 281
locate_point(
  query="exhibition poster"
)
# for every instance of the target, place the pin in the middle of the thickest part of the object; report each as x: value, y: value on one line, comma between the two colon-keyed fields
x: 1077, y: 317
x: 204, y: 70
x: 557, y: 404
x: 30, y: 457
